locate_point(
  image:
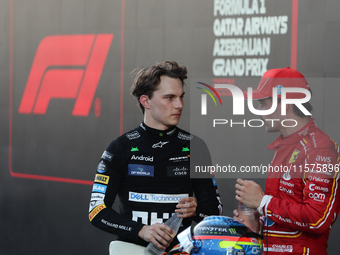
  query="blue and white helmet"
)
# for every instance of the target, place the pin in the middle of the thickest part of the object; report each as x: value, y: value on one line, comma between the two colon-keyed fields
x: 220, y: 235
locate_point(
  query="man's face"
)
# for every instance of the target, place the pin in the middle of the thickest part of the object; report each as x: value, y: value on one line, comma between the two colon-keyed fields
x: 272, y: 121
x: 166, y: 104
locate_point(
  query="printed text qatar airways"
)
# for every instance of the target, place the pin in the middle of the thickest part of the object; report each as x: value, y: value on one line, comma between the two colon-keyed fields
x: 327, y: 169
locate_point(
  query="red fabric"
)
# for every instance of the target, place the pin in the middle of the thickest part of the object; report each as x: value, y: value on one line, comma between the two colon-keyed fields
x: 304, y: 204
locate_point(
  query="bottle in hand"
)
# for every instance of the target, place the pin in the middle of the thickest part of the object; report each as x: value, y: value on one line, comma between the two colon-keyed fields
x: 174, y: 223
x: 247, y: 214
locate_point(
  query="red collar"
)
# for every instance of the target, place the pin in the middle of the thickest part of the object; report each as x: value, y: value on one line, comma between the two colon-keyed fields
x: 292, y: 138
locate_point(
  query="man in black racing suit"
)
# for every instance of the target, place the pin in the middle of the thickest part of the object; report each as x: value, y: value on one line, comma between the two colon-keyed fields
x: 149, y: 167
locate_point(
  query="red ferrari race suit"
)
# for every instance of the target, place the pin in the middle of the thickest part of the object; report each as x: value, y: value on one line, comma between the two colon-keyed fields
x: 301, y: 200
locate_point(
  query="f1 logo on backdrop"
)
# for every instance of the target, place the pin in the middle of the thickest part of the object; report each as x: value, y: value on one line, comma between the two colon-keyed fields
x: 66, y: 67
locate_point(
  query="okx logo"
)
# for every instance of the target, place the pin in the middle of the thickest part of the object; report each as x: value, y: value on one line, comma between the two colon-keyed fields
x: 66, y: 66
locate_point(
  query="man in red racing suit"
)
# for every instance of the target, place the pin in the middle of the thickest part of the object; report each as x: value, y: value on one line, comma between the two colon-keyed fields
x: 301, y: 200
x: 302, y: 204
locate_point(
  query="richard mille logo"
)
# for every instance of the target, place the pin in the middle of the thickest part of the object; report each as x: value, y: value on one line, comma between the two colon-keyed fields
x: 159, y: 145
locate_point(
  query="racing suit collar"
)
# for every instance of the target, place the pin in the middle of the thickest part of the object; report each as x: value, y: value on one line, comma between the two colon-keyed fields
x: 292, y: 138
x: 158, y: 133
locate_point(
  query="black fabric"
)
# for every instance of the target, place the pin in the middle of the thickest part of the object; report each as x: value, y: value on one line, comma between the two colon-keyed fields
x: 149, y: 171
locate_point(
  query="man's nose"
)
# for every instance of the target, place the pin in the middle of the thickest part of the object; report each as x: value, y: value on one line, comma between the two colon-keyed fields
x: 178, y: 103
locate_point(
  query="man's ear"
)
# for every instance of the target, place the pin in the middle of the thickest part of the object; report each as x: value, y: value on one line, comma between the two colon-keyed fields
x: 145, y: 101
x: 289, y: 109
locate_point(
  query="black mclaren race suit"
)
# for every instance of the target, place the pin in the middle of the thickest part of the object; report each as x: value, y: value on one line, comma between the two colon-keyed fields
x: 149, y: 171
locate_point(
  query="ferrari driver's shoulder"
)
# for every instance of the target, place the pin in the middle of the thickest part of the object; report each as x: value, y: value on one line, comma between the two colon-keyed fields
x: 319, y: 139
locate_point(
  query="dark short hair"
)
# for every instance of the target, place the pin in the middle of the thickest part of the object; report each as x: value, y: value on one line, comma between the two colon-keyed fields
x: 147, y: 79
